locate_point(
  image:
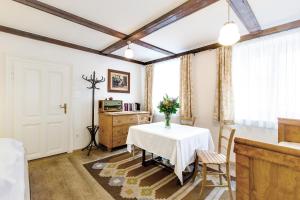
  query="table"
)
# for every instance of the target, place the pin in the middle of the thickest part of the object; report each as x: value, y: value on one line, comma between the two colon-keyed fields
x: 177, y: 144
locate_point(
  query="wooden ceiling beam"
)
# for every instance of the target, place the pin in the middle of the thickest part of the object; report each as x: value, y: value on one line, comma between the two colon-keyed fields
x: 85, y: 22
x: 193, y: 51
x: 272, y: 30
x: 70, y: 17
x: 174, y: 15
x: 152, y: 47
x: 244, y: 12
x: 62, y: 43
x: 262, y: 33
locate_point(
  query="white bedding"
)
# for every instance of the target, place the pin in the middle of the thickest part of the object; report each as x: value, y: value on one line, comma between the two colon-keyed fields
x: 14, y: 182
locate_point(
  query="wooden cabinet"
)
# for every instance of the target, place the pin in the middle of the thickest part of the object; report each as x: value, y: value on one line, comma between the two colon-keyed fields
x: 114, y: 126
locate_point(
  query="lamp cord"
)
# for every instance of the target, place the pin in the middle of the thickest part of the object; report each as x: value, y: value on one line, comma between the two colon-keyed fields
x: 228, y: 10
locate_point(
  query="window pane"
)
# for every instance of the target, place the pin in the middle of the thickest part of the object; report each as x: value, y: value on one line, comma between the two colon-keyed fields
x: 266, y: 79
x: 166, y: 80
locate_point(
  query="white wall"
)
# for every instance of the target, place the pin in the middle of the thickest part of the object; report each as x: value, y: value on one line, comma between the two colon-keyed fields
x: 203, y: 85
x: 82, y: 63
x: 204, y: 71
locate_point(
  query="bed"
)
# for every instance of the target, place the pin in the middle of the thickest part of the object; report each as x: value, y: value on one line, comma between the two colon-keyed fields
x: 289, y: 133
x: 266, y: 171
x: 270, y: 171
x: 14, y: 180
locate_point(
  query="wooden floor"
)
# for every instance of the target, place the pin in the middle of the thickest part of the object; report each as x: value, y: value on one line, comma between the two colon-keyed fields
x: 63, y: 177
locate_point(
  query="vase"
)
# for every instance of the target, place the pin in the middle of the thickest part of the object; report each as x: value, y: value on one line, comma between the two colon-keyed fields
x: 167, y: 120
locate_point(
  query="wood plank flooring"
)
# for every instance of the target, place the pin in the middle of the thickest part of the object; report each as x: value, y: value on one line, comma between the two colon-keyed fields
x: 63, y: 177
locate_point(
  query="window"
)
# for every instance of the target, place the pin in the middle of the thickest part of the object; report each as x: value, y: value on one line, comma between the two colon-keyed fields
x: 166, y: 80
x: 266, y: 79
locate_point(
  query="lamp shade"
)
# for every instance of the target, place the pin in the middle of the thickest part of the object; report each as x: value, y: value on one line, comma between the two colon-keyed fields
x: 229, y: 34
x: 128, y: 53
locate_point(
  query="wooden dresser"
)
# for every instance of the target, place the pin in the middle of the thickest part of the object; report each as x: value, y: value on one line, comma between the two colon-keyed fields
x: 114, y: 126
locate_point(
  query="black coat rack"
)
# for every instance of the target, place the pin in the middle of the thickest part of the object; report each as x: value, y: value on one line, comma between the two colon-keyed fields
x: 93, y: 128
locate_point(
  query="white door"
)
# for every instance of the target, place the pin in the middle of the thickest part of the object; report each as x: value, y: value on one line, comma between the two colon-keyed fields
x: 41, y: 122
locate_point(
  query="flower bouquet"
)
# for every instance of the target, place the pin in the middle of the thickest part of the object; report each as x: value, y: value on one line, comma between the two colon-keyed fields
x: 168, y: 106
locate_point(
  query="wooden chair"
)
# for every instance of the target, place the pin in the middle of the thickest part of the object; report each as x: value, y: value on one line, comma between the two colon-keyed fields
x: 150, y: 119
x: 189, y: 121
x: 206, y: 157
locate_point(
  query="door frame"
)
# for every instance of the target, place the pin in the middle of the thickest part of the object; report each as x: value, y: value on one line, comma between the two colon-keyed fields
x: 9, y: 96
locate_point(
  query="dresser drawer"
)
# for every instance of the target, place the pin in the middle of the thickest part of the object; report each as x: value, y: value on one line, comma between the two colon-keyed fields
x: 127, y: 119
x: 143, y: 118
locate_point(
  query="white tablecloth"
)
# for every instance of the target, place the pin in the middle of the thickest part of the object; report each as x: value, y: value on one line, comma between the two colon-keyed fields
x: 14, y: 182
x: 177, y: 144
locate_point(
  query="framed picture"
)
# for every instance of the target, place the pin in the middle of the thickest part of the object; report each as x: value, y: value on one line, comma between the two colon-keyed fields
x: 118, y: 81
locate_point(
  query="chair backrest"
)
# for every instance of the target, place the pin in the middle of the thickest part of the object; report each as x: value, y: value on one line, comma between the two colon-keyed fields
x: 150, y: 119
x: 190, y: 121
x: 226, y: 138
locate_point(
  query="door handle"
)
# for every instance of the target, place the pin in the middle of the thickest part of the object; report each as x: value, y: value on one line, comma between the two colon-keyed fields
x: 64, y: 107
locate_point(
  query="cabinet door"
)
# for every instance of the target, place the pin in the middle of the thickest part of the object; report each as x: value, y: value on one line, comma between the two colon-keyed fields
x: 120, y: 135
x: 125, y: 119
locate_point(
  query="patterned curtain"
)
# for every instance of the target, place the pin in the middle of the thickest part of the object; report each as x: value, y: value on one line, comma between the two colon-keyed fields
x: 224, y: 111
x: 185, y: 95
x: 148, y: 88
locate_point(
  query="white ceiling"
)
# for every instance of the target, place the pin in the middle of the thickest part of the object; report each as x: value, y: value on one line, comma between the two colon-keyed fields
x: 196, y: 30
x: 122, y: 15
x: 143, y: 54
x: 22, y: 17
x: 274, y: 12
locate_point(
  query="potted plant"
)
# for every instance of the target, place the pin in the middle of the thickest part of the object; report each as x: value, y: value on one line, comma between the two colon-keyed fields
x: 168, y: 106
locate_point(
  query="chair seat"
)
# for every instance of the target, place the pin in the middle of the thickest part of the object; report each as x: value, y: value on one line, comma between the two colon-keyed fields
x: 211, y: 157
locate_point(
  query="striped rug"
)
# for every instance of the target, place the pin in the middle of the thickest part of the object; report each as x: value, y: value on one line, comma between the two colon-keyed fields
x: 123, y: 177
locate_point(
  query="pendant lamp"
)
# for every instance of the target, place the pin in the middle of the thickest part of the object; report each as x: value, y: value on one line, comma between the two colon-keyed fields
x: 229, y: 33
x: 128, y: 52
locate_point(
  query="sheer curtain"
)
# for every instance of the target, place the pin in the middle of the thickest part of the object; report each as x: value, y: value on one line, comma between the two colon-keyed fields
x: 266, y: 79
x: 166, y: 80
